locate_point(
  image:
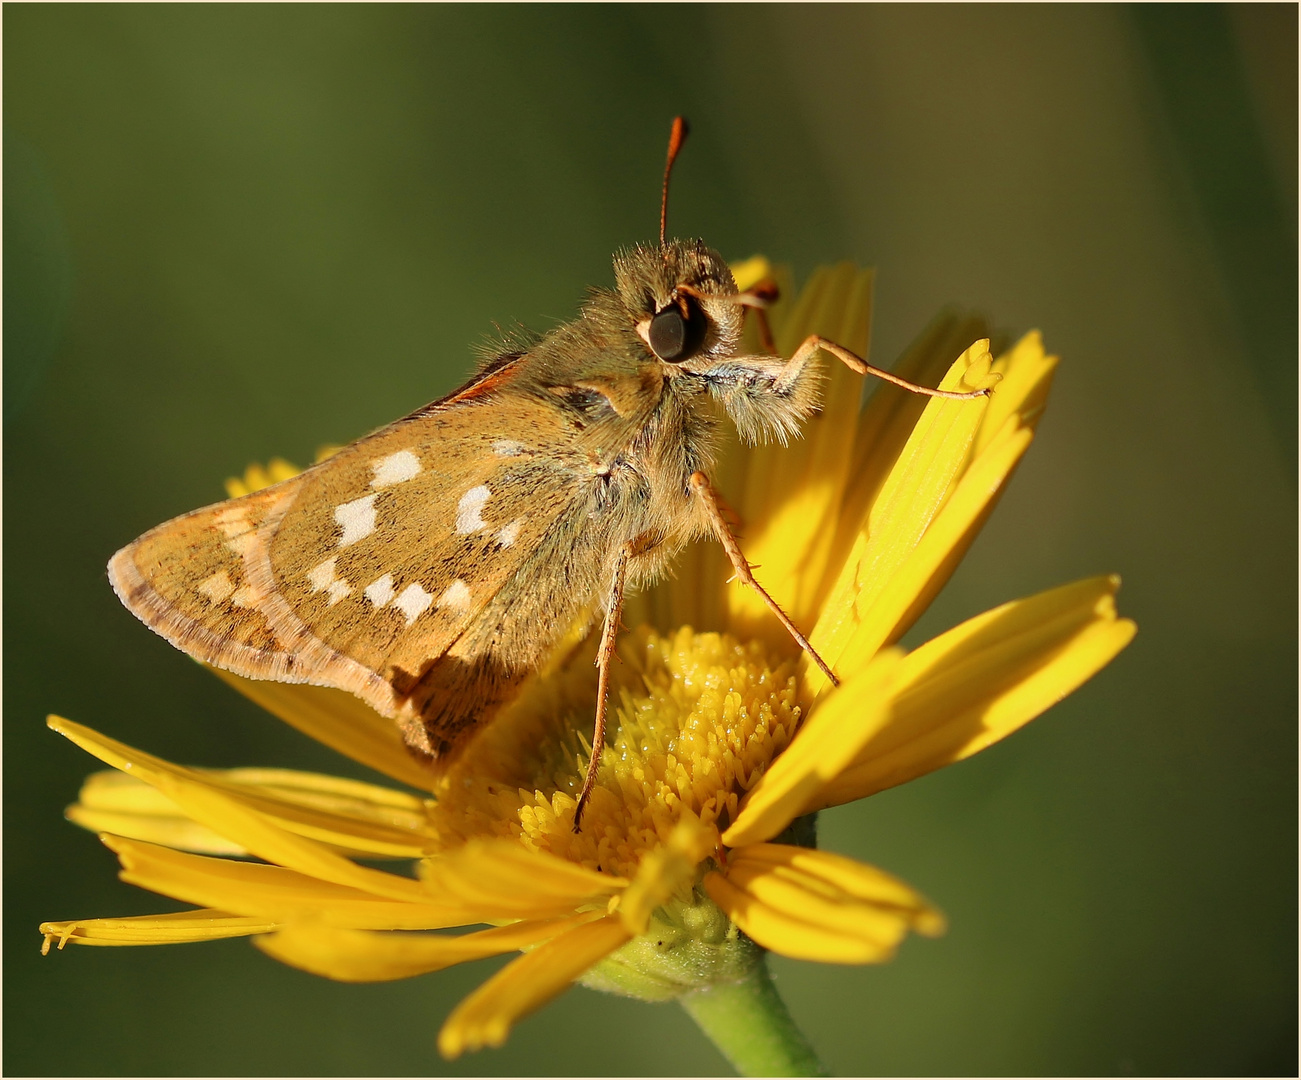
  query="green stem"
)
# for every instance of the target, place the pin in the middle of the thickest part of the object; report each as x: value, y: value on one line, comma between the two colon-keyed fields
x: 751, y: 1025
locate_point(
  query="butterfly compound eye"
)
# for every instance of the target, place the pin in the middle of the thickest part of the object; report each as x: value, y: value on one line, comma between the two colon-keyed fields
x: 674, y: 337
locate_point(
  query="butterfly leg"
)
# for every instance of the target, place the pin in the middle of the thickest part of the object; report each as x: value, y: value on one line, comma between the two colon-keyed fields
x: 704, y: 490
x: 604, y: 655
x: 811, y: 344
x: 756, y: 301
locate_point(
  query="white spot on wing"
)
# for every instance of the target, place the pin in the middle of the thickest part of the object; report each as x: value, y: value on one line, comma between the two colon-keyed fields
x: 469, y: 511
x: 232, y: 521
x: 510, y: 533
x: 394, y: 469
x: 357, y: 518
x: 217, y: 587
x: 323, y: 579
x: 507, y: 448
x: 243, y: 544
x: 414, y: 601
x: 321, y: 575
x: 456, y: 596
x: 247, y: 597
x: 380, y: 591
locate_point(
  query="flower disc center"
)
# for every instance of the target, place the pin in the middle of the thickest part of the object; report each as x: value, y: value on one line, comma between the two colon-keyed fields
x: 694, y: 720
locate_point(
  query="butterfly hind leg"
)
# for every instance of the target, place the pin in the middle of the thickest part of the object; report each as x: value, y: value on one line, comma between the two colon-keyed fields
x: 604, y: 656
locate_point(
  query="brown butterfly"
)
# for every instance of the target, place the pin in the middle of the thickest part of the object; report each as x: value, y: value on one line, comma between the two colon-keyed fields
x: 429, y: 566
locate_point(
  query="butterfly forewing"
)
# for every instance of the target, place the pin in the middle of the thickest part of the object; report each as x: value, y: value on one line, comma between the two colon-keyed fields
x: 395, y: 550
x: 366, y: 571
x: 188, y: 579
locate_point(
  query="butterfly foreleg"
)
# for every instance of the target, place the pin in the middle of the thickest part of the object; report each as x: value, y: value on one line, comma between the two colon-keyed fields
x: 795, y: 366
x: 713, y: 506
x: 604, y: 656
x: 756, y: 301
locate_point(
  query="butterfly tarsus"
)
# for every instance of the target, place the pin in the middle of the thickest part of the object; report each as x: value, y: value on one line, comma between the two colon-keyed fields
x: 811, y: 344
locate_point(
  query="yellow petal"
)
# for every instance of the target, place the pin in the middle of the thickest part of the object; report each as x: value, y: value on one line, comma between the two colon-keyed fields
x: 113, y: 802
x: 983, y: 680
x: 1009, y: 419
x: 504, y: 877
x: 883, y: 614
x: 666, y: 870
x: 789, y: 934
x: 749, y: 272
x: 355, y: 816
x: 176, y: 830
x: 206, y: 924
x: 348, y: 815
x: 825, y: 744
x: 820, y: 869
x: 254, y: 831
x: 365, y: 956
x: 279, y: 469
x: 799, y: 897
x: 792, y: 493
x: 1016, y: 407
x: 276, y: 894
x: 891, y: 414
x: 256, y: 477
x: 816, y: 906
x: 1027, y: 377
x: 281, y: 826
x: 486, y: 1016
x: 919, y: 487
x: 340, y: 721
x: 957, y: 532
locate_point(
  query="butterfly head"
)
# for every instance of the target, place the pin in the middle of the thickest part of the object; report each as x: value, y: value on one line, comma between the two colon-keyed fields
x: 674, y: 292
x: 680, y: 299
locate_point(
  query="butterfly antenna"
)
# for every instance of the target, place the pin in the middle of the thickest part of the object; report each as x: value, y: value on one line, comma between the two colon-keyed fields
x: 676, y: 138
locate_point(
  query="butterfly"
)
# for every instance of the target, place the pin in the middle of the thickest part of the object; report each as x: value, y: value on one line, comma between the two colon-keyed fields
x: 430, y: 566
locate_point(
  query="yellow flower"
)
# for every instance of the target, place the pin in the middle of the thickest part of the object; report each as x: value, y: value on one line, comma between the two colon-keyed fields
x: 723, y: 738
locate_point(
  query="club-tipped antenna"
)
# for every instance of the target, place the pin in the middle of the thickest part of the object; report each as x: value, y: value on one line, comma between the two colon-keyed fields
x: 676, y: 138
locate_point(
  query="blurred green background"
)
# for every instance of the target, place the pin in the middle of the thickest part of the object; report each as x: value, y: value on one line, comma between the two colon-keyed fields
x: 238, y: 231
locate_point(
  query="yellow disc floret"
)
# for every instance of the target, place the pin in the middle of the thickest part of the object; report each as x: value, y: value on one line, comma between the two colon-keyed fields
x: 695, y: 720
